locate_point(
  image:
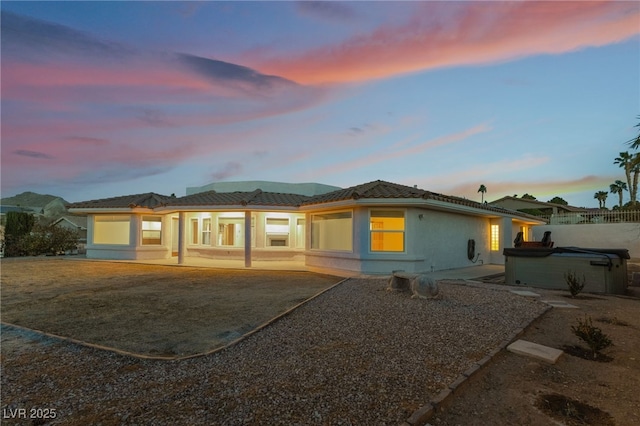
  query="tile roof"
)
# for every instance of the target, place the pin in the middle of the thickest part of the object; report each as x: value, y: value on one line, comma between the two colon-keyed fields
x: 149, y: 200
x: 256, y: 198
x: 381, y: 189
x: 377, y: 189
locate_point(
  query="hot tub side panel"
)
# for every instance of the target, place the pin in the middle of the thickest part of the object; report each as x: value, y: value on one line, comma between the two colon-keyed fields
x: 549, y: 272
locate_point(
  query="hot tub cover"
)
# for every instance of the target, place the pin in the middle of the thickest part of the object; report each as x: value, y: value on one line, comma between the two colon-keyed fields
x: 543, y: 252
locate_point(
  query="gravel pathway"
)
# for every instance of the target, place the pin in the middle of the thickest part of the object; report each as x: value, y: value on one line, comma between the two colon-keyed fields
x: 355, y: 355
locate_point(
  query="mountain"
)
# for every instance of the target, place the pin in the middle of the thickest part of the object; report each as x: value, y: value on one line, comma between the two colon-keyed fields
x: 30, y: 199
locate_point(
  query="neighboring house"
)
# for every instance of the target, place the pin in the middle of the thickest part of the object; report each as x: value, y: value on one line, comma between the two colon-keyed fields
x: 76, y: 223
x: 523, y: 204
x: 373, y: 228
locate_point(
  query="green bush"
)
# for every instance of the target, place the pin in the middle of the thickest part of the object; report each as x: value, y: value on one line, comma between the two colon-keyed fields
x: 592, y: 336
x: 41, y: 239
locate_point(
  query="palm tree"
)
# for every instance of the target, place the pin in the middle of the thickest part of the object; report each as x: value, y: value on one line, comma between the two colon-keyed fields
x: 628, y: 162
x: 618, y: 187
x: 635, y: 142
x: 601, y: 196
x: 482, y: 189
x: 635, y: 169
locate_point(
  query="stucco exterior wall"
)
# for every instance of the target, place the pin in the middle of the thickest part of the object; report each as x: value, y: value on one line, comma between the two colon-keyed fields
x: 605, y: 235
x: 433, y: 241
x: 134, y: 250
x: 441, y: 238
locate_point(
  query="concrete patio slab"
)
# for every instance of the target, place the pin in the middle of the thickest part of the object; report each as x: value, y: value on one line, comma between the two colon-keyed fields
x: 525, y: 293
x: 534, y: 350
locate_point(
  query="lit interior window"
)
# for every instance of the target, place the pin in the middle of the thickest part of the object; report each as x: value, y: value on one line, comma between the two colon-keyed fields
x: 495, y: 237
x: 206, y: 231
x: 277, y: 230
x: 151, y: 230
x: 194, y: 231
x: 387, y: 230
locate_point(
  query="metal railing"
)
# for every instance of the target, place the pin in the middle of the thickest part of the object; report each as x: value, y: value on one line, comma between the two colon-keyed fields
x: 602, y: 216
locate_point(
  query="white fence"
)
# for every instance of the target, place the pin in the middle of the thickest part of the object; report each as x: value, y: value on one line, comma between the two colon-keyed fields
x: 590, y: 235
x: 598, y: 217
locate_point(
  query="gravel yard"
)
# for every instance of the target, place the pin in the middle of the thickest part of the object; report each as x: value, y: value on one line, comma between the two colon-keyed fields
x: 357, y: 354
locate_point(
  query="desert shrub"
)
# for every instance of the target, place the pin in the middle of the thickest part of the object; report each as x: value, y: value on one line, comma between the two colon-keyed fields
x: 575, y: 286
x: 592, y: 336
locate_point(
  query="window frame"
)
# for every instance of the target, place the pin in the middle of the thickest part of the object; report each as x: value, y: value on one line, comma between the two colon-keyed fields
x: 402, y: 232
x: 157, y: 241
x: 313, y: 237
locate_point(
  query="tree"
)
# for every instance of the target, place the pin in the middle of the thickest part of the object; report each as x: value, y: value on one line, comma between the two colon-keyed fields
x: 558, y: 200
x: 635, y: 142
x: 630, y: 164
x: 601, y: 196
x: 19, y: 224
x: 528, y: 197
x: 483, y: 190
x: 618, y: 187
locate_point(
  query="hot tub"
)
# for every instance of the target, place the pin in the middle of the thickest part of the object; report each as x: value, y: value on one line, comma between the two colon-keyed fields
x: 604, y: 270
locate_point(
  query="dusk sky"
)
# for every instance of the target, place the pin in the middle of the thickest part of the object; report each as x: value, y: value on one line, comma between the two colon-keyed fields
x: 103, y: 99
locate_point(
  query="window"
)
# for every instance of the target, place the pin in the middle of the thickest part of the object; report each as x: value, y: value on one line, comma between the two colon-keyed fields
x: 206, y: 231
x: 332, y: 231
x: 151, y: 230
x: 387, y: 230
x: 300, y: 232
x: 277, y: 230
x: 495, y: 237
x: 231, y: 231
x: 111, y: 229
x: 194, y: 231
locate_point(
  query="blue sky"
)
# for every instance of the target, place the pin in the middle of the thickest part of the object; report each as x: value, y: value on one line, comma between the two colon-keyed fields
x: 114, y: 98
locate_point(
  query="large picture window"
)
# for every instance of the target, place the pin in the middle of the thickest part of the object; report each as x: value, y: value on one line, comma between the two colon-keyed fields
x: 332, y: 231
x: 151, y: 230
x: 387, y: 230
x: 111, y: 230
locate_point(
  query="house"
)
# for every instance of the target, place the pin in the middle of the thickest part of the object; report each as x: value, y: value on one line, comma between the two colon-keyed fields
x: 539, y: 207
x: 75, y: 223
x: 373, y: 228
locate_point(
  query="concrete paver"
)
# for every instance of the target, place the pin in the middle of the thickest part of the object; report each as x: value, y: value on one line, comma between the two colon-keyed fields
x: 534, y: 350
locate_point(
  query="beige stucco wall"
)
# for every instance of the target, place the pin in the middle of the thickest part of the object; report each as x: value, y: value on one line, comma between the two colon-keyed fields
x: 609, y: 235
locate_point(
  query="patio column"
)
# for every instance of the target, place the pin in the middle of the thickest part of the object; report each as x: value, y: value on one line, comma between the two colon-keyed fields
x: 181, y: 234
x: 247, y: 238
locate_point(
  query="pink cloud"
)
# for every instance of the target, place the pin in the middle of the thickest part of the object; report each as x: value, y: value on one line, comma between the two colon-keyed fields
x: 477, y: 33
x: 404, y: 149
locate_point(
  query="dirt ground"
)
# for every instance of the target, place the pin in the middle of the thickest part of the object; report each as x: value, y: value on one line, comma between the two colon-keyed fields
x: 512, y: 389
x: 141, y: 308
x: 515, y: 389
